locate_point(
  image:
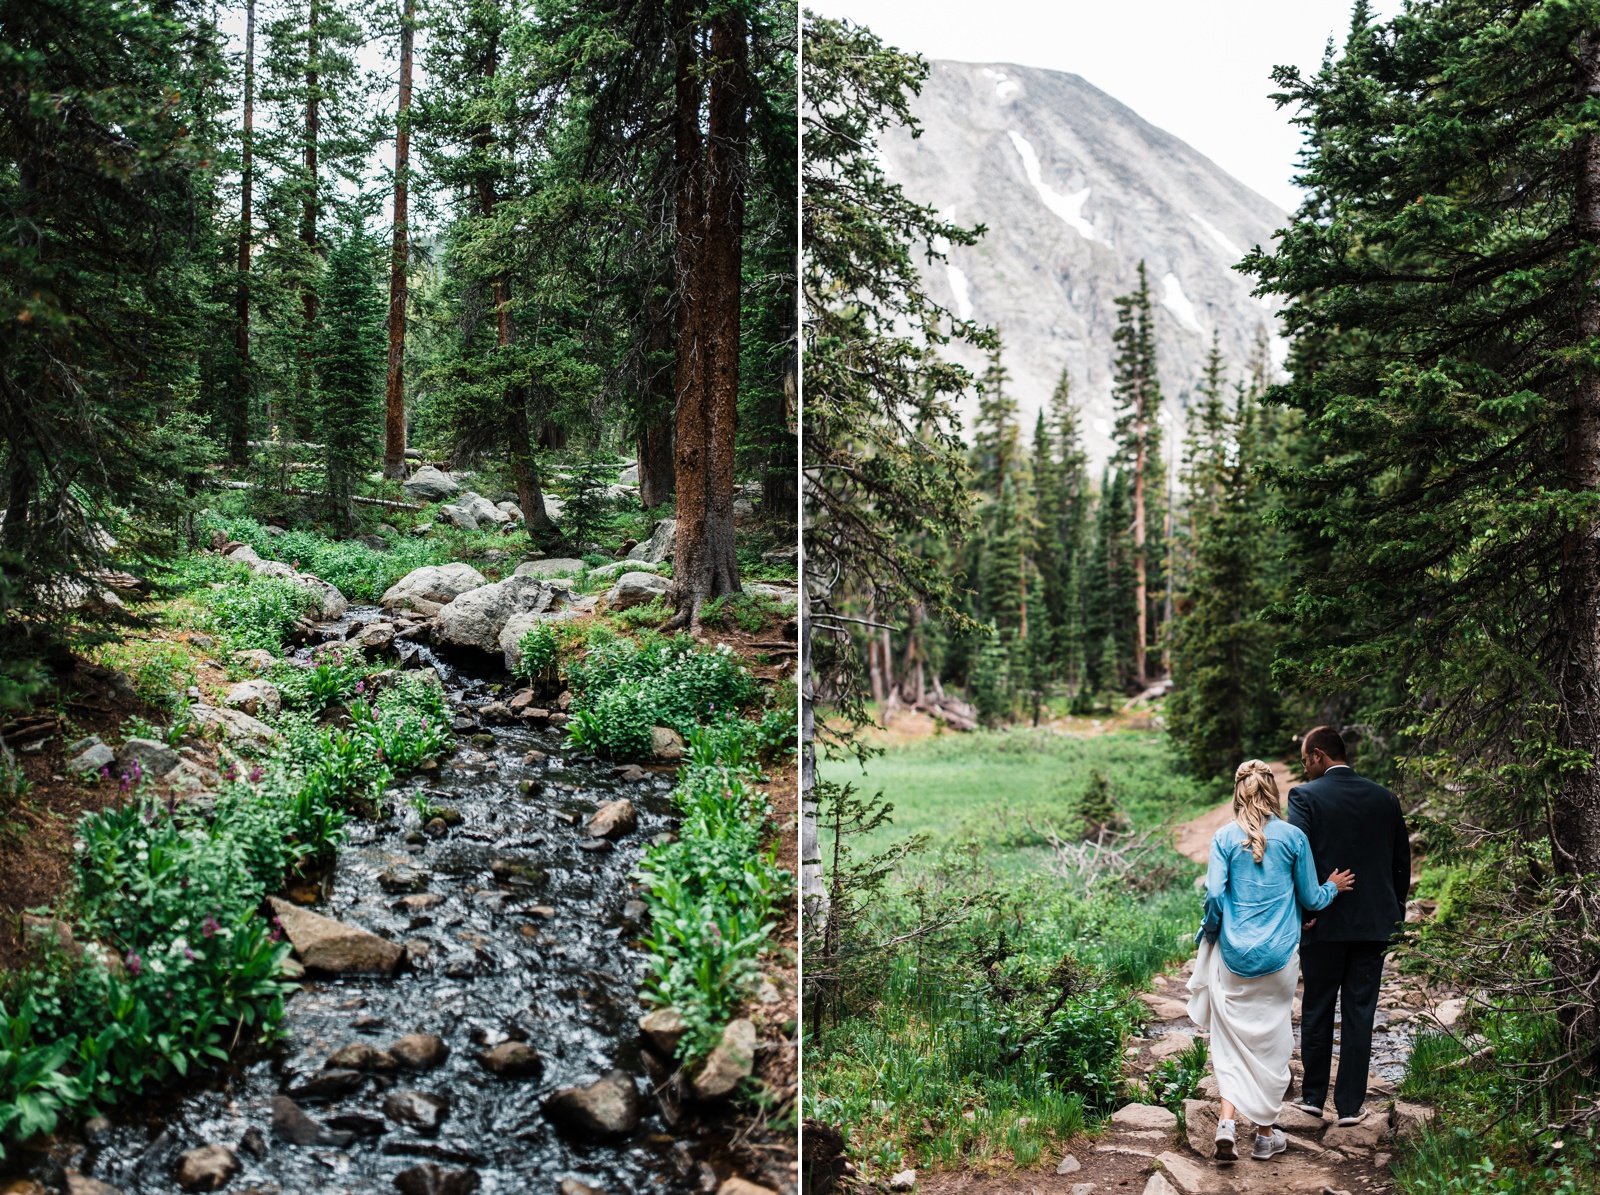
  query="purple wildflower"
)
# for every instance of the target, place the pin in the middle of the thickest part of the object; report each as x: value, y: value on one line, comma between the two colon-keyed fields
x: 189, y: 954
x: 138, y: 770
x: 232, y: 773
x: 361, y: 686
x: 255, y: 775
x: 209, y: 927
x: 126, y: 783
x: 134, y: 962
x: 105, y: 771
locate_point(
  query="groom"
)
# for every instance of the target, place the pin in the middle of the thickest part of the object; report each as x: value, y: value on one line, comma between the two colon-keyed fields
x: 1357, y: 825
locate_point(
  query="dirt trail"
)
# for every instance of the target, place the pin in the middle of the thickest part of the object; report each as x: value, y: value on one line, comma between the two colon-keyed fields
x: 1194, y: 836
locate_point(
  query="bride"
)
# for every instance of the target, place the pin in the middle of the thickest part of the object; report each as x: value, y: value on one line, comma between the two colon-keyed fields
x: 1260, y: 877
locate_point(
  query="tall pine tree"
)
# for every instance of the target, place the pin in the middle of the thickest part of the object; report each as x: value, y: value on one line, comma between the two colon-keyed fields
x: 1137, y: 390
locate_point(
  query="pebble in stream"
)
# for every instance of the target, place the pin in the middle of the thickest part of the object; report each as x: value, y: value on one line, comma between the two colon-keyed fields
x: 520, y: 963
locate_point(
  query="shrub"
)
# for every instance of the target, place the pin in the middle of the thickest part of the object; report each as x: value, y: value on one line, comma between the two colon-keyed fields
x: 259, y: 613
x: 539, y: 646
x: 337, y: 672
x: 161, y: 671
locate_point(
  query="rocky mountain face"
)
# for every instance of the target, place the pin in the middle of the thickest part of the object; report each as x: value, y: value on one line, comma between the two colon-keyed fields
x: 1075, y: 190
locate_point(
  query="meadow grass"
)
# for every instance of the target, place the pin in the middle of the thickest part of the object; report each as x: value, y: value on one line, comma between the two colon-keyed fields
x: 944, y: 1051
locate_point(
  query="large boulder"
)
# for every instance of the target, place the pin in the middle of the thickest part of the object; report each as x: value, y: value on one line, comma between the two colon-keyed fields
x: 92, y: 758
x: 630, y: 476
x: 481, y: 508
x: 432, y: 586
x: 555, y: 566
x: 519, y: 625
x: 476, y: 618
x: 428, y: 484
x: 233, y: 725
x: 255, y: 697
x: 244, y: 554
x: 155, y: 759
x: 332, y: 946
x: 459, y: 517
x: 554, y: 508
x: 513, y: 511
x: 330, y: 602
x: 636, y: 589
x: 610, y: 1107
x: 661, y: 544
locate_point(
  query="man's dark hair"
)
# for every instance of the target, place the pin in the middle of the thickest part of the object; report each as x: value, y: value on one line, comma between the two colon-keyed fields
x: 1326, y: 740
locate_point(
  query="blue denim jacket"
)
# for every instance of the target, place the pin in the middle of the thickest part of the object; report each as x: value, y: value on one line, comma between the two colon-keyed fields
x: 1256, y: 906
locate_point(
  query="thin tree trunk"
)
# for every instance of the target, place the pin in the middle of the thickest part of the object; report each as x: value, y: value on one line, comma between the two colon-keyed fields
x: 813, y: 894
x: 394, y: 401
x: 704, y: 564
x: 1141, y: 592
x: 239, y: 416
x: 1575, y: 807
x: 654, y: 440
x: 308, y: 214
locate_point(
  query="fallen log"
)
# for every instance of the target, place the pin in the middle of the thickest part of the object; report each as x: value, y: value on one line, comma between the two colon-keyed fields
x: 384, y: 502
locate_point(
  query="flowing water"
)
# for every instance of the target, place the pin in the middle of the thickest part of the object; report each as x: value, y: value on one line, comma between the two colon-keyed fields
x: 547, y: 956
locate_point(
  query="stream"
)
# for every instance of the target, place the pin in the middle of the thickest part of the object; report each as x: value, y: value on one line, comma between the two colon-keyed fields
x: 544, y: 954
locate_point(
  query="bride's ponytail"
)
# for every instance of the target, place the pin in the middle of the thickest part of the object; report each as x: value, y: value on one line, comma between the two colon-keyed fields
x: 1255, y: 803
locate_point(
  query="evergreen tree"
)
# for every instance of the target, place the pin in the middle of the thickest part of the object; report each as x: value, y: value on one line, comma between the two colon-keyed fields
x: 350, y: 367
x: 1061, y: 509
x: 1441, y: 279
x: 1108, y: 591
x: 996, y: 444
x: 1138, y: 433
x: 1225, y: 707
x: 880, y: 439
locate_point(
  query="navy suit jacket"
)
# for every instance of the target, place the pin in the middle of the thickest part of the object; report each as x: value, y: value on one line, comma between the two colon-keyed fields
x: 1355, y: 825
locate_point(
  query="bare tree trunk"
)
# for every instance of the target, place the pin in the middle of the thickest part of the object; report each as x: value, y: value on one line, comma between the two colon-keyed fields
x: 308, y: 214
x: 239, y: 416
x: 1141, y: 590
x: 1574, y: 809
x: 394, y: 408
x: 654, y: 440
x: 813, y: 894
x: 704, y: 565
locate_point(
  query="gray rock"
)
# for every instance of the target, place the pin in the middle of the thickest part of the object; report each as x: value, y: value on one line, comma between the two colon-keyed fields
x: 92, y: 759
x: 437, y: 584
x: 554, y: 566
x: 666, y: 743
x: 664, y: 1029
x: 255, y: 697
x: 418, y: 1109
x: 519, y: 625
x: 377, y: 637
x: 481, y: 508
x: 512, y: 1060
x: 361, y: 1056
x: 609, y: 1107
x: 459, y: 517
x: 611, y: 571
x: 636, y: 589
x: 903, y: 1180
x: 554, y: 508
x: 661, y: 544
x: 1069, y: 1165
x: 235, y: 725
x: 629, y: 476
x: 428, y: 484
x: 155, y: 759
x: 476, y: 618
x: 291, y: 1123
x: 375, y: 542
x: 429, y: 1178
x: 511, y: 509
x: 420, y: 1051
x: 244, y: 554
x: 328, y: 1085
x: 207, y: 1169
x: 255, y: 658
x: 743, y: 510
x: 730, y: 1063
x: 781, y: 556
x: 329, y: 945
x: 403, y: 879
x: 1144, y: 1116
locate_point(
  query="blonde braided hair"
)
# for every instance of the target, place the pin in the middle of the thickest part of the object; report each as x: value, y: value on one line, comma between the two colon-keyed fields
x: 1255, y: 803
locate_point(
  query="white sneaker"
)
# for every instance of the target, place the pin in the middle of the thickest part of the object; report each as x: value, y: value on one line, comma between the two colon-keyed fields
x: 1270, y: 1146
x: 1227, y: 1151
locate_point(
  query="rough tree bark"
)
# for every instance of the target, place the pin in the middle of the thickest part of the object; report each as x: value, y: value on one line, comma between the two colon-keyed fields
x: 1575, y: 806
x: 394, y: 395
x: 654, y: 440
x: 308, y: 213
x: 239, y: 416
x: 704, y: 565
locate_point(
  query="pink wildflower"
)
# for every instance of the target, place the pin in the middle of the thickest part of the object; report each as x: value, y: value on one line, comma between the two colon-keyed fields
x: 134, y: 962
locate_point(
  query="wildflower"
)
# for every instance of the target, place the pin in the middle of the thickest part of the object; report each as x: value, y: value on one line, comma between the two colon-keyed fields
x: 361, y: 686
x: 126, y: 783
x: 232, y: 773
x: 209, y: 927
x: 134, y: 962
x: 138, y: 770
x: 255, y: 774
x: 105, y: 771
x: 189, y: 954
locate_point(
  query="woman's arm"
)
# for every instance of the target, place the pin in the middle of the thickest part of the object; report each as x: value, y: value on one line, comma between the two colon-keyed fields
x: 1311, y: 895
x: 1216, y: 886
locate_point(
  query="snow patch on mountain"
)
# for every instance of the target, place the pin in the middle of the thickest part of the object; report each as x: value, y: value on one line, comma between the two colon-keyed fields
x: 1175, y: 301
x: 1068, y: 207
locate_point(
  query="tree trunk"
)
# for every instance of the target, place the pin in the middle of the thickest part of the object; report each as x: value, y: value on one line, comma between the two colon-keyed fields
x: 394, y: 398
x: 19, y: 496
x: 239, y: 415
x: 308, y: 213
x: 704, y: 565
x: 654, y: 440
x: 1574, y: 809
x: 1141, y: 593
x: 813, y: 894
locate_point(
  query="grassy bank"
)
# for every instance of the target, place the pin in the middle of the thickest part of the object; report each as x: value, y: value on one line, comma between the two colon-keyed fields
x: 992, y: 1025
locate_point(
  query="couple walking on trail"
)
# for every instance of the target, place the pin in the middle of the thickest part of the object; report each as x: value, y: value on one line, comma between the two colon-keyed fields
x: 1320, y: 892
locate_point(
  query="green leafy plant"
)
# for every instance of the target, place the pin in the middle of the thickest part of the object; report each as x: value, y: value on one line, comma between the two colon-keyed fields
x: 1176, y: 1079
x: 258, y: 613
x: 539, y: 645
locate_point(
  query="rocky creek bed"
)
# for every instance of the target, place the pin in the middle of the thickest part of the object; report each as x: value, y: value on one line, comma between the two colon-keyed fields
x: 501, y: 1056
